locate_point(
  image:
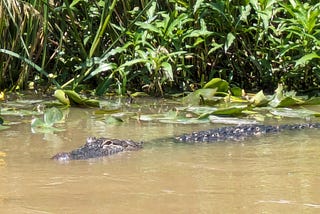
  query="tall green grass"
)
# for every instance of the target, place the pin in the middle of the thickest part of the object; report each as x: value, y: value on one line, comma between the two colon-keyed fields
x: 160, y: 46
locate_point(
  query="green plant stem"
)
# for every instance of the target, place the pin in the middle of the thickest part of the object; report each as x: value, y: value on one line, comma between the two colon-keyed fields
x: 74, y: 31
x: 102, y: 29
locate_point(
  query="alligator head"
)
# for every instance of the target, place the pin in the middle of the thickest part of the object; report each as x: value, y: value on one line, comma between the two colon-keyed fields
x: 98, y: 147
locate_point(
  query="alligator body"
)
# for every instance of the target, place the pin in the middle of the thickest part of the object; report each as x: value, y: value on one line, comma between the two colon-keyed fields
x: 98, y: 147
x: 238, y: 133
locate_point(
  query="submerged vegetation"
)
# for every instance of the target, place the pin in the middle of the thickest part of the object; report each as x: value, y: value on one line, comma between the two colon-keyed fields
x: 159, y: 46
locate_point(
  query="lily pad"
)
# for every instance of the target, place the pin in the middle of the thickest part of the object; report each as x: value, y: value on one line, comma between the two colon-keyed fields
x: 295, y: 113
x: 50, y: 117
x: 259, y: 99
x: 231, y: 120
x: 18, y: 112
x: 199, y: 96
x: 2, y: 127
x: 198, y: 110
x: 184, y: 121
x: 234, y: 110
x: 312, y: 101
x: 281, y: 99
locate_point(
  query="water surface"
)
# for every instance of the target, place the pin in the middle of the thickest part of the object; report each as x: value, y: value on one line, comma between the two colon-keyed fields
x: 269, y: 174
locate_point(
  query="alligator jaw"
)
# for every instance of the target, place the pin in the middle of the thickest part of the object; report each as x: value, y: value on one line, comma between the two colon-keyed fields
x: 62, y: 156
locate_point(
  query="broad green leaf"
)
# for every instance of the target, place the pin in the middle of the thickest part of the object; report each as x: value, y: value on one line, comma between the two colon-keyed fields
x: 306, y: 58
x: 290, y: 101
x: 148, y: 26
x: 52, y: 116
x: 229, y: 41
x: 132, y: 62
x: 36, y: 122
x: 312, y: 101
x: 198, y: 110
x: 168, y: 70
x: 74, y: 96
x: 197, y: 5
x: 195, y: 98
x: 18, y: 112
x: 259, y: 99
x: 2, y: 127
x: 91, y: 102
x: 220, y: 84
x: 101, y: 68
x: 236, y: 91
x: 236, y: 110
x: 61, y: 96
x: 281, y: 99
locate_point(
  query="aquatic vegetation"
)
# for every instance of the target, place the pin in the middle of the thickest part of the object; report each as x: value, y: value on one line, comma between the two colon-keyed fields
x: 72, y: 98
x: 159, y: 47
x: 51, y: 116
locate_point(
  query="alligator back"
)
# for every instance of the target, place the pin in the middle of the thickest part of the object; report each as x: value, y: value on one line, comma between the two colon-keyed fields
x: 238, y: 133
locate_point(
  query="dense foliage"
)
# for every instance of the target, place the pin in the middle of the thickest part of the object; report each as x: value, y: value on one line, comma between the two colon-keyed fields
x: 159, y: 46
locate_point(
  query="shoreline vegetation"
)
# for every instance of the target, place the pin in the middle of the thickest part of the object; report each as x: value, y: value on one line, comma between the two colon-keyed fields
x: 159, y: 47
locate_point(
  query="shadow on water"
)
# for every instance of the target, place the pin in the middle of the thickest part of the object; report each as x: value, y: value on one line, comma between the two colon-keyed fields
x: 269, y: 174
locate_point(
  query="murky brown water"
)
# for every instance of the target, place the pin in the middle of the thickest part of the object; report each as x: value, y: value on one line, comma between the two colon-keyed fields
x: 270, y: 174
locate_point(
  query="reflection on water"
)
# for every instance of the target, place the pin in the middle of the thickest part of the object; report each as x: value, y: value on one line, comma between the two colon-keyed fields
x: 270, y: 174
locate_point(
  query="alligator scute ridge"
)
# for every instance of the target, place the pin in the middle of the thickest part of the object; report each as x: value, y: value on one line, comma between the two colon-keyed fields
x: 99, y: 147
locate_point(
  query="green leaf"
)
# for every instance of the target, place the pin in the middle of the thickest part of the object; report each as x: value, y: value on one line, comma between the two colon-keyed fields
x: 259, y: 99
x: 68, y: 97
x: 61, y: 96
x: 101, y: 68
x: 312, y: 101
x: 306, y: 58
x: 235, y: 110
x: 229, y: 41
x: 36, y: 122
x: 295, y: 113
x: 168, y: 70
x: 74, y: 96
x: 195, y: 97
x: 91, y: 102
x: 184, y: 121
x: 236, y: 91
x: 230, y: 120
x: 220, y: 84
x: 52, y: 116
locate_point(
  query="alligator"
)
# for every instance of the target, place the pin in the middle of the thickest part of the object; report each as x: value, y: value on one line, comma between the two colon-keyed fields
x: 99, y: 147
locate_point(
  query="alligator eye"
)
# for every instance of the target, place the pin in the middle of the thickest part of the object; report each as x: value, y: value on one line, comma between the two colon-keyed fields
x: 106, y: 143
